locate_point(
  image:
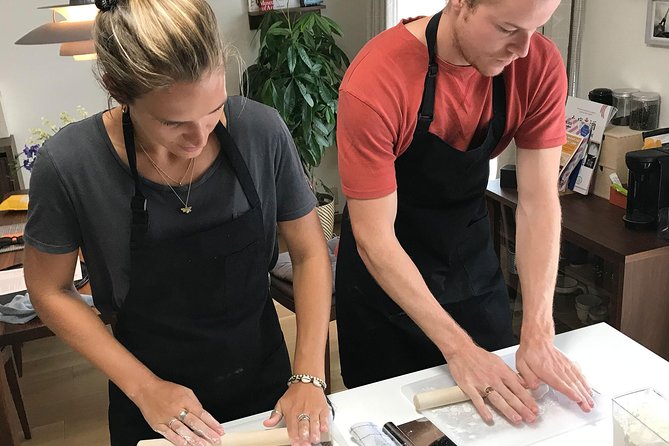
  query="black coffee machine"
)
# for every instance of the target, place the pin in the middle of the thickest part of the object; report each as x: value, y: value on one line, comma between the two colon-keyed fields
x: 648, y: 187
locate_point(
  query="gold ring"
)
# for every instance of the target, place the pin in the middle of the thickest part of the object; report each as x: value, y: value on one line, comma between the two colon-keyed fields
x: 488, y: 390
x: 303, y: 417
x: 276, y: 411
x: 169, y: 425
x: 182, y: 415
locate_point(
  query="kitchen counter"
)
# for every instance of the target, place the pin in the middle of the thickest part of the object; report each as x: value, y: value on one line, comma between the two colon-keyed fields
x: 613, y: 363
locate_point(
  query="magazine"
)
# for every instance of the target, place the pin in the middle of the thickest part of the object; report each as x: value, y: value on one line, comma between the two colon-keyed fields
x: 585, y: 124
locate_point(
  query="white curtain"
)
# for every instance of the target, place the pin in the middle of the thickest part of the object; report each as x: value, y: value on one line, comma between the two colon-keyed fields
x: 377, y: 18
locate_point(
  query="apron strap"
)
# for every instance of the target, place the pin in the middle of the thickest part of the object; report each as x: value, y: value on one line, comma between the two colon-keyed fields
x: 426, y: 111
x: 140, y: 216
x: 229, y: 148
x: 498, y: 107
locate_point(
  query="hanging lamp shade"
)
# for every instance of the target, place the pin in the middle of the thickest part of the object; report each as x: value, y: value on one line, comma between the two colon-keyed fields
x: 73, y: 32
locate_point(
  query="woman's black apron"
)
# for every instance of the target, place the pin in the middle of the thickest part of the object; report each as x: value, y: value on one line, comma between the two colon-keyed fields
x: 198, y: 311
x: 442, y: 223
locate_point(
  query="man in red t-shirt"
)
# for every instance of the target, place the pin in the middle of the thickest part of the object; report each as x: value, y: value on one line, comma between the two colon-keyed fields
x: 422, y: 109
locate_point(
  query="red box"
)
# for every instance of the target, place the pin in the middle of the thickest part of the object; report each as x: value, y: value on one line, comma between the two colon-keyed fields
x: 617, y: 198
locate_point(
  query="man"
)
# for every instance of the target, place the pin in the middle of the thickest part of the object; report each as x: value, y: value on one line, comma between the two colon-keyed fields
x: 422, y: 109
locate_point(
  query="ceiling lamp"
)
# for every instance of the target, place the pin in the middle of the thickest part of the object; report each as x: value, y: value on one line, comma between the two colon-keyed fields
x: 73, y: 32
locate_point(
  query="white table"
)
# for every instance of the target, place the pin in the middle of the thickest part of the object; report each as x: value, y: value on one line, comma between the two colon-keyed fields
x: 612, y: 362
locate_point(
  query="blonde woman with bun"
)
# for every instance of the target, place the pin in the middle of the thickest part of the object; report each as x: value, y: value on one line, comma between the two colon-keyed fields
x: 174, y: 197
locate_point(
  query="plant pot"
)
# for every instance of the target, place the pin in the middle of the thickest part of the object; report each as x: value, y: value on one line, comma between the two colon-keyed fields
x: 326, y: 215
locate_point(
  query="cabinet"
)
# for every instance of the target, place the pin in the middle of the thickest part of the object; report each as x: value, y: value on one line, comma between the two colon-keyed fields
x: 626, y: 271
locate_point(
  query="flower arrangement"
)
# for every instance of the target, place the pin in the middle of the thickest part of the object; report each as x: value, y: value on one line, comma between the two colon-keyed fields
x: 26, y: 158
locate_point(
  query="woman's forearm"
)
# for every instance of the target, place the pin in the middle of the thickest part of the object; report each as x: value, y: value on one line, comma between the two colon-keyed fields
x: 74, y: 322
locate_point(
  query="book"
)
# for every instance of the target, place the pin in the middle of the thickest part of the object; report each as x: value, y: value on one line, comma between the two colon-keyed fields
x: 585, y: 124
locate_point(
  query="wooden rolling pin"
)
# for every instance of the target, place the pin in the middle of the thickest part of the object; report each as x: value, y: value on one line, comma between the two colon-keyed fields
x: 439, y: 397
x: 453, y: 395
x: 269, y: 437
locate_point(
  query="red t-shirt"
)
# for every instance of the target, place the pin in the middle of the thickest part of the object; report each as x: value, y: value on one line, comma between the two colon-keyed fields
x: 382, y: 90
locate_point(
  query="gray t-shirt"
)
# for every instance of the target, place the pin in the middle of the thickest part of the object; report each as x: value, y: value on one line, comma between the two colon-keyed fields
x: 80, y: 193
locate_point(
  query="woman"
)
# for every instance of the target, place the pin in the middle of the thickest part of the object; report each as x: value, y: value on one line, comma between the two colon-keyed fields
x: 173, y: 198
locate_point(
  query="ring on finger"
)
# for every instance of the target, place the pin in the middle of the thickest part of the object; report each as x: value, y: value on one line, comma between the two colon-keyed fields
x: 276, y: 412
x: 182, y: 415
x: 169, y: 425
x: 487, y: 391
x: 303, y: 417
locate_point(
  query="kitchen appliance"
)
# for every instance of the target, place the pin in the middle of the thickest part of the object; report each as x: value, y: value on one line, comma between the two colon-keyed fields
x: 622, y: 101
x: 645, y: 111
x: 648, y: 187
x: 601, y: 95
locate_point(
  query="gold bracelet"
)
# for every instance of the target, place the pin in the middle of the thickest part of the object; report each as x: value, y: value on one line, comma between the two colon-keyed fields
x: 306, y: 379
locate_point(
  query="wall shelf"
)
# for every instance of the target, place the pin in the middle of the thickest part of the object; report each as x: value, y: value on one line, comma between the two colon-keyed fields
x: 255, y: 17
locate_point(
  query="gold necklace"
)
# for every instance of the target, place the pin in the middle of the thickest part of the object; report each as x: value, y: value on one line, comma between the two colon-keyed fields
x: 185, y: 209
x: 157, y: 167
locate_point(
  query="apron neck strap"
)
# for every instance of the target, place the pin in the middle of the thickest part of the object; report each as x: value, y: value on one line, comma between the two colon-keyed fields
x: 140, y: 216
x: 229, y: 148
x: 426, y: 111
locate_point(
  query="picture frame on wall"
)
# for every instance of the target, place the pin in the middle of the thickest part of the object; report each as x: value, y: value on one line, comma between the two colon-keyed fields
x: 657, y: 28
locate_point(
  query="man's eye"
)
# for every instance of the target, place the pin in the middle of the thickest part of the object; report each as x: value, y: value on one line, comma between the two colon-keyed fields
x: 506, y: 31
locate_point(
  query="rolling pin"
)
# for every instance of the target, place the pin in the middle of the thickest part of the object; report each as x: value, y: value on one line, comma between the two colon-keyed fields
x: 439, y: 397
x: 453, y: 395
x: 269, y: 437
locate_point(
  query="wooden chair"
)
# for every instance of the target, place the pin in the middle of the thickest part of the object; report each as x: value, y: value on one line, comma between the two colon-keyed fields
x: 9, y: 375
x: 282, y: 292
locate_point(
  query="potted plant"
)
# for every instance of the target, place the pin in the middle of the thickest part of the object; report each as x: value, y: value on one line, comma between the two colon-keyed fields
x: 298, y: 72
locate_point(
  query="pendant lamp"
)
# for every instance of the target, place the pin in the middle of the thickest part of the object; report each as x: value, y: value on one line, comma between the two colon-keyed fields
x: 73, y: 31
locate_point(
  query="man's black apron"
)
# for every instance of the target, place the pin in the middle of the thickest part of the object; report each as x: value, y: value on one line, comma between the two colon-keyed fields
x: 442, y: 223
x: 198, y: 311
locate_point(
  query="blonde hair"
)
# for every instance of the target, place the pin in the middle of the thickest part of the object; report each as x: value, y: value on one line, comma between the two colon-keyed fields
x: 144, y: 45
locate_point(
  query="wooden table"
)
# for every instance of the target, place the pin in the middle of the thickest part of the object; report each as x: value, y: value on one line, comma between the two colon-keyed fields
x: 639, y: 285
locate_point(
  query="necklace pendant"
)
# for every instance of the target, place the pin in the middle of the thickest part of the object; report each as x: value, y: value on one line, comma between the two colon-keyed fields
x: 187, y: 209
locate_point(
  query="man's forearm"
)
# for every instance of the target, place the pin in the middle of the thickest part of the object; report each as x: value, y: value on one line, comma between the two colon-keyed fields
x: 537, y: 254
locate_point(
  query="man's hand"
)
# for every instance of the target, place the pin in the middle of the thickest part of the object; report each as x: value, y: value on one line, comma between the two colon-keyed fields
x: 481, y: 374
x: 540, y: 361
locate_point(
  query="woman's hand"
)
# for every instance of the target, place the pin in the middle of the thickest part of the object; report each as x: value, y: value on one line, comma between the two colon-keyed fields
x: 306, y: 412
x: 175, y: 413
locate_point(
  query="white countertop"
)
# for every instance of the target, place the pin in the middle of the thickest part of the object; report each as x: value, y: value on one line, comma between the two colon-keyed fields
x: 612, y: 362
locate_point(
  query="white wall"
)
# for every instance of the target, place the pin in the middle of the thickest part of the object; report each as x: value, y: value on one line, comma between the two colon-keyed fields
x: 614, y: 53
x: 36, y: 82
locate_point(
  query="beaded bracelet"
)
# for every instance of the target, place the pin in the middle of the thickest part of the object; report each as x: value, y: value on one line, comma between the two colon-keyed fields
x: 306, y: 379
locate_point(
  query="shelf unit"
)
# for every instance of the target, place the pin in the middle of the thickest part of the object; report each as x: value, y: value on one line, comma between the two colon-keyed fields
x: 635, y: 280
x: 255, y: 17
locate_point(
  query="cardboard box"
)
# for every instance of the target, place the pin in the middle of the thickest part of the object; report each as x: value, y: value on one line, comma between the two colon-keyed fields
x: 617, y: 142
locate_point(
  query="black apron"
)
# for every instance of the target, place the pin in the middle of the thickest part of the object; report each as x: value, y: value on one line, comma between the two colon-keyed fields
x: 443, y: 226
x: 198, y: 311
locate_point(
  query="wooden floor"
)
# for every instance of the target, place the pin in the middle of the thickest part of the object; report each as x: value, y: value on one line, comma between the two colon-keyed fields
x: 66, y: 398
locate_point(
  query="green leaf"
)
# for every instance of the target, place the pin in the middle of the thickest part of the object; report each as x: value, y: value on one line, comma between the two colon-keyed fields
x: 305, y: 57
x: 305, y: 94
x: 318, y: 125
x: 322, y: 142
x: 275, y: 97
x: 292, y: 59
x: 289, y: 99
